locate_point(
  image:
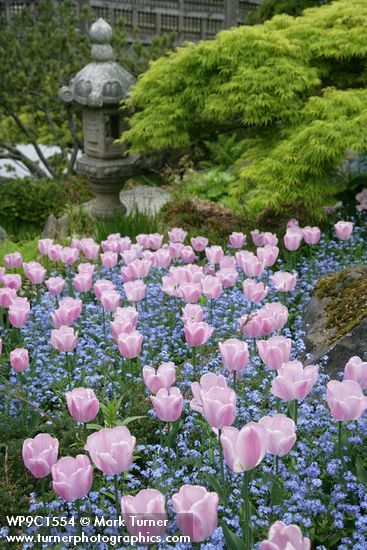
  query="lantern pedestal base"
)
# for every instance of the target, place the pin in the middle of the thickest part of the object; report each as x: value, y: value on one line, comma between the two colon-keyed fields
x: 107, y: 178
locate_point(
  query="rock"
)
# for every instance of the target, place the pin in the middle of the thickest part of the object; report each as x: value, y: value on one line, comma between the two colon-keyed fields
x: 3, y: 234
x: 63, y: 227
x: 50, y: 229
x: 145, y: 199
x: 336, y: 318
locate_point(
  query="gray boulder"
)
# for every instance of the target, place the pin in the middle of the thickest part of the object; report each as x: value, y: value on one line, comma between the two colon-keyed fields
x: 145, y: 199
x: 336, y: 318
x: 50, y: 228
x: 3, y: 234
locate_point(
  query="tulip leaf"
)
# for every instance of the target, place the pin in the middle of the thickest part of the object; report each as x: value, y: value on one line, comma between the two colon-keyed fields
x: 234, y: 542
x: 130, y: 419
x: 173, y: 433
x: 361, y: 470
x: 216, y: 486
x: 94, y: 427
x: 203, y: 300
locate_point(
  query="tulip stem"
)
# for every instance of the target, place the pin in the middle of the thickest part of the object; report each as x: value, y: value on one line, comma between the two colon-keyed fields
x: 104, y: 323
x: 235, y: 380
x: 194, y: 358
x: 276, y: 479
x: 246, y: 528
x: 117, y: 505
x: 67, y: 364
x: 222, y: 466
x: 340, y: 456
x: 295, y: 405
x: 169, y: 427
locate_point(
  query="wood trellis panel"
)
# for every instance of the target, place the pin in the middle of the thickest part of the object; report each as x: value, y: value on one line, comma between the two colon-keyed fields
x: 187, y: 19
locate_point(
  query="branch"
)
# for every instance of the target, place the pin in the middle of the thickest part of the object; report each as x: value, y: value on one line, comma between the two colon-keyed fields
x: 37, y: 148
x: 12, y: 153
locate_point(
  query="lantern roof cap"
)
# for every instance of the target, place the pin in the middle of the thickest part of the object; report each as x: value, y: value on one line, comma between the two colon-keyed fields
x: 103, y: 81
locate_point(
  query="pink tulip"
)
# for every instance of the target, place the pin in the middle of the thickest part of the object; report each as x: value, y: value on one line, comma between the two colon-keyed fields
x: 72, y: 478
x: 86, y: 268
x: 281, y: 432
x: 249, y: 263
x: 228, y: 262
x: 111, y: 449
x: 293, y: 381
x: 83, y: 404
x: 263, y: 238
x: 19, y: 359
x: 44, y: 246
x: 40, y: 454
x: 311, y: 235
x: 109, y: 259
x: 268, y: 254
x: 135, y: 290
x: 356, y: 370
x: 275, y: 351
x: 148, y: 504
x: 152, y: 240
x: 211, y: 287
x: 163, y: 377
x: 13, y: 281
x: 90, y: 250
x: 219, y: 406
x: 55, y: 285
x: 68, y: 311
x: 253, y: 291
x: 244, y: 449
x: 13, y: 260
x: 130, y: 344
x: 177, y: 235
x: 69, y: 255
x: 237, y: 240
x: 101, y: 286
x: 199, y: 243
x: 192, y: 312
x: 7, y: 297
x: 196, y: 512
x: 110, y: 300
x: 163, y: 258
x: 64, y: 339
x: 284, y: 537
x: 175, y: 249
x: 214, y: 254
x: 234, y: 354
x: 293, y: 239
x: 18, y: 312
x: 197, y: 334
x: 187, y: 255
x: 283, y: 281
x: 343, y: 230
x: 35, y: 272
x: 228, y: 277
x: 207, y: 381
x: 345, y: 399
x: 82, y: 282
x: 128, y: 312
x: 53, y: 252
x: 189, y: 292
x: 168, y: 404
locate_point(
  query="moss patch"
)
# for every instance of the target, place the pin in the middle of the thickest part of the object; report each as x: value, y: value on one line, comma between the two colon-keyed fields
x: 347, y: 300
x: 201, y: 217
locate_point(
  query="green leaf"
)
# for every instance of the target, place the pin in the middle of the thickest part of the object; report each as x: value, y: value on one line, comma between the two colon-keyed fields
x: 361, y: 470
x: 215, y: 485
x: 94, y: 427
x: 130, y: 419
x: 234, y: 541
x: 174, y: 431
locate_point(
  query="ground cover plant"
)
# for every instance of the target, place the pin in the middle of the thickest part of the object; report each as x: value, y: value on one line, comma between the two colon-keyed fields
x: 179, y: 367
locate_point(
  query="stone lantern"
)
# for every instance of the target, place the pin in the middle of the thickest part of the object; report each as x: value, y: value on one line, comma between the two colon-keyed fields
x: 99, y: 87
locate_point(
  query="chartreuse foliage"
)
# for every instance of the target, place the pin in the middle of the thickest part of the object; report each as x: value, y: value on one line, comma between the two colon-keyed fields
x: 294, y: 86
